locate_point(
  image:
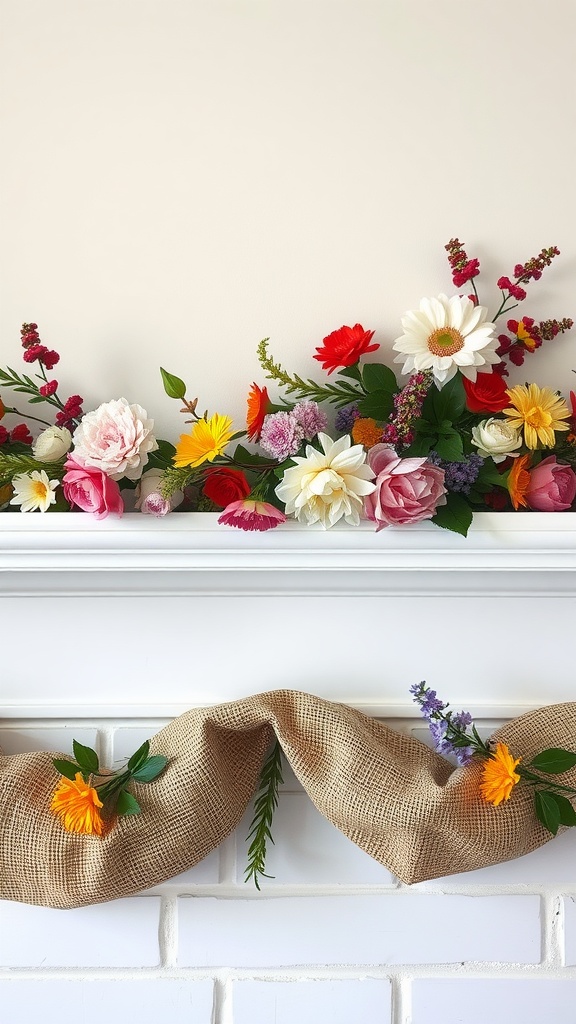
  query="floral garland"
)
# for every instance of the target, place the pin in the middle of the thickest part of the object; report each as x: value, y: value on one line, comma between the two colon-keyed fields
x: 453, y: 439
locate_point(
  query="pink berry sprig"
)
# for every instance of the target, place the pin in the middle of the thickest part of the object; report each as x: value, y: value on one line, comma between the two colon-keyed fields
x: 523, y: 274
x: 69, y: 412
x: 463, y: 269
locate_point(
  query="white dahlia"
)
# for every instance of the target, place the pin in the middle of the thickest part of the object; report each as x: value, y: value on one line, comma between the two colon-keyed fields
x: 116, y: 439
x: 329, y: 485
x: 446, y: 335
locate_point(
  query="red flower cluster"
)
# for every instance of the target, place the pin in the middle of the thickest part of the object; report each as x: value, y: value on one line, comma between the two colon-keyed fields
x: 506, y: 285
x: 19, y: 433
x: 35, y: 352
x: 463, y: 269
x: 529, y: 336
x: 345, y: 347
x: 532, y: 270
x: 71, y: 412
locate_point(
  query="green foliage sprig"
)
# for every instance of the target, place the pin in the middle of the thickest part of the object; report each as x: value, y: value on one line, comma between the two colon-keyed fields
x: 13, y: 462
x: 340, y: 393
x: 140, y: 768
x: 265, y: 804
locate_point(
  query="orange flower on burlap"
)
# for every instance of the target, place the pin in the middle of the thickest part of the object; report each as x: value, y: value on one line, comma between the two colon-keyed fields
x: 78, y: 806
x: 498, y: 776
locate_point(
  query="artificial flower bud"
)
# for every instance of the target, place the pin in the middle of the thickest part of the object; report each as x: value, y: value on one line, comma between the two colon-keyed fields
x: 496, y: 439
x: 52, y: 444
x: 149, y: 498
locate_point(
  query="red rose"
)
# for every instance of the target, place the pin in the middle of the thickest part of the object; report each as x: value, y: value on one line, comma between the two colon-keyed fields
x: 344, y: 347
x: 487, y: 393
x: 21, y: 434
x: 224, y: 485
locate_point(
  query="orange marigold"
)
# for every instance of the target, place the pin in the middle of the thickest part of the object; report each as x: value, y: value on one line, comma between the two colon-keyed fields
x: 366, y: 432
x: 498, y: 775
x: 78, y: 806
x: 519, y: 481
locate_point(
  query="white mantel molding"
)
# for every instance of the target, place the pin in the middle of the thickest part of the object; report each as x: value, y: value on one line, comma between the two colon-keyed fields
x: 193, y: 542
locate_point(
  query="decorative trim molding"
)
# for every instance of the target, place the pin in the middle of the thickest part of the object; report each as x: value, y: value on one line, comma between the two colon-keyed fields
x: 193, y: 542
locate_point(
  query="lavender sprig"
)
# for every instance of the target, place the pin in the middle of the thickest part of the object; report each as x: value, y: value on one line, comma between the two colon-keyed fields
x: 453, y: 733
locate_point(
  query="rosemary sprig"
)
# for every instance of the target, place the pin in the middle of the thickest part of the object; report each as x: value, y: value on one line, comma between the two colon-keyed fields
x: 342, y: 392
x: 265, y: 804
x: 12, y: 463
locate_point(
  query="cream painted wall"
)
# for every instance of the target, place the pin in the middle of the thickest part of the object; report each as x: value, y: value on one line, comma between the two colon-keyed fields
x: 182, y: 178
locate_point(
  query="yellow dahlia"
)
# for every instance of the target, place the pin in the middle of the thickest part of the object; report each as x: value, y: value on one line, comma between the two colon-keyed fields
x: 540, y: 411
x: 498, y: 776
x: 78, y: 806
x: 207, y: 440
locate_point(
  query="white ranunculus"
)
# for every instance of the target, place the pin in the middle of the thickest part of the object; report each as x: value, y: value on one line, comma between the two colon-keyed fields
x: 52, y: 444
x: 149, y: 498
x: 116, y: 439
x: 329, y: 485
x: 496, y: 439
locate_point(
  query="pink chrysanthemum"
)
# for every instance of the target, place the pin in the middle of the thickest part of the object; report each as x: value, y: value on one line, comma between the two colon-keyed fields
x: 249, y: 514
x: 311, y: 418
x: 281, y: 435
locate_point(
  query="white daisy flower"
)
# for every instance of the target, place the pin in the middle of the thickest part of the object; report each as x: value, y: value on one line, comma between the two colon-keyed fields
x: 33, y: 491
x: 446, y: 335
x: 329, y: 485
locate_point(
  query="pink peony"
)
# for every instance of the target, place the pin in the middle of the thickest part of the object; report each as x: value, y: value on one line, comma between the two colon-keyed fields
x: 407, y: 490
x: 116, y: 438
x: 552, y: 486
x: 91, y: 490
x: 249, y: 514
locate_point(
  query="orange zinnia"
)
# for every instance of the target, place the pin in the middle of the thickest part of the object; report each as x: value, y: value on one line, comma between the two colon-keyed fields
x: 366, y: 432
x: 519, y: 481
x: 498, y: 775
x: 78, y: 806
x: 258, y: 407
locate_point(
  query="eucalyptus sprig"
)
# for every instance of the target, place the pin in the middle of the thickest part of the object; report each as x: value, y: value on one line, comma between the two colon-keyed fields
x: 342, y: 392
x: 265, y: 804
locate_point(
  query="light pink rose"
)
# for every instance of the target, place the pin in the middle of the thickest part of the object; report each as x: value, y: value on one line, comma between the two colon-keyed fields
x: 91, y: 490
x: 116, y: 438
x: 407, y: 490
x: 552, y: 486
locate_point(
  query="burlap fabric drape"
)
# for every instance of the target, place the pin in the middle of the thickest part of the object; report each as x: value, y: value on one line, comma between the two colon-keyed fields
x: 403, y: 804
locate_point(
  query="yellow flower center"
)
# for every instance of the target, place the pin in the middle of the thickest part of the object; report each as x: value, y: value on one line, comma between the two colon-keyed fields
x: 445, y: 341
x: 39, y: 490
x: 537, y: 417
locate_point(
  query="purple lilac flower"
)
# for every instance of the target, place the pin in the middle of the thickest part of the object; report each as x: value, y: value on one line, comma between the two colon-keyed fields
x: 459, y: 476
x: 310, y: 417
x: 281, y: 435
x: 431, y: 705
x: 462, y: 720
x: 346, y: 417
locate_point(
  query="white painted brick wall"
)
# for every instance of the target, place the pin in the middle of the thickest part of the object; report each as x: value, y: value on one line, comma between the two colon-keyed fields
x: 332, y: 938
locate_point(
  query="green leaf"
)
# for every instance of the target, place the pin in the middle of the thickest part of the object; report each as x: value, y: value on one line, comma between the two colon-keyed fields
x: 139, y: 757
x: 566, y: 810
x: 554, y: 761
x: 547, y: 810
x: 449, y: 403
x: 161, y: 458
x: 127, y: 804
x: 173, y: 386
x: 246, y: 458
x: 351, y: 371
x: 455, y: 515
x: 449, y: 447
x: 377, y: 377
x: 86, y: 757
x: 377, y: 405
x: 68, y: 769
x: 150, y: 769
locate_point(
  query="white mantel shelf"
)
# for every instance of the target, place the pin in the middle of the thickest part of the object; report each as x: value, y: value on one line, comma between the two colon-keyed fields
x: 188, y: 542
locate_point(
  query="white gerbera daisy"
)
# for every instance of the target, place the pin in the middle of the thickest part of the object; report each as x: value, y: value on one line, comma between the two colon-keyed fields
x: 329, y: 485
x: 446, y: 335
x: 33, y: 491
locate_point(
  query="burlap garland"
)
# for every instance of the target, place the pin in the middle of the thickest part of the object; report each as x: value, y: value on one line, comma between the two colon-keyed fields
x: 399, y: 801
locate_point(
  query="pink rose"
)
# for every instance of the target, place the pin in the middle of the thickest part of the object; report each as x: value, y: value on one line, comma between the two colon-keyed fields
x: 91, y: 490
x: 407, y: 490
x: 552, y: 486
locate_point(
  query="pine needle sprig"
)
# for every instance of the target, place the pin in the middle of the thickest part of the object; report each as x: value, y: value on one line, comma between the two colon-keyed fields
x: 265, y: 804
x: 340, y: 393
x: 13, y: 463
